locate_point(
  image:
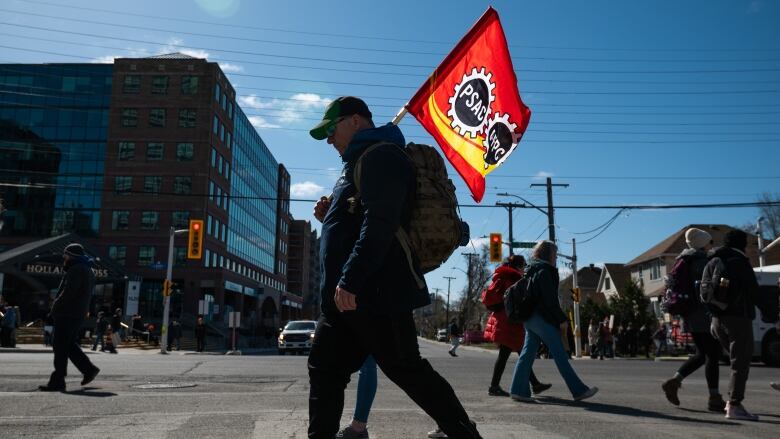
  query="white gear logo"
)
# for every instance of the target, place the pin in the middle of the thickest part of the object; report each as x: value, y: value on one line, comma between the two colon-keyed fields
x: 470, y: 105
x: 500, y: 140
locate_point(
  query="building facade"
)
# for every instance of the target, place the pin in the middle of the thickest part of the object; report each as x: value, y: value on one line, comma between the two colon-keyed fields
x: 120, y: 154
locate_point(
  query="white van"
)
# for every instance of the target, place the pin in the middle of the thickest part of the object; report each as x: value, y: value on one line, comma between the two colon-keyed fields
x: 766, y: 340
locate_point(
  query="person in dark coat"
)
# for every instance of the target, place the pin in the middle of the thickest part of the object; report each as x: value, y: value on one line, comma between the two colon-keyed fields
x: 507, y: 335
x: 371, y: 281
x: 697, y: 322
x: 200, y: 334
x: 69, y: 310
x: 545, y: 324
x: 733, y: 309
x: 116, y: 323
x: 100, y: 331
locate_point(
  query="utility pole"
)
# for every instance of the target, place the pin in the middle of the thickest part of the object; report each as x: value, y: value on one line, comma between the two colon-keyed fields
x: 761, y: 259
x: 509, y: 207
x: 575, y: 284
x: 447, y: 318
x: 469, y: 274
x: 550, y: 210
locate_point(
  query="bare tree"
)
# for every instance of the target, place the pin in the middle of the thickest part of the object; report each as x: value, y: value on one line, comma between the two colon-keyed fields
x: 479, y: 274
x: 771, y: 215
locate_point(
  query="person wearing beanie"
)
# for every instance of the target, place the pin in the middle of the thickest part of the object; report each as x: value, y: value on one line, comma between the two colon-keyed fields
x: 730, y: 288
x: 697, y: 322
x: 69, y: 309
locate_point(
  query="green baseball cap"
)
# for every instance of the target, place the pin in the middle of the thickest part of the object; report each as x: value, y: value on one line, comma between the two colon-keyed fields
x: 339, y: 108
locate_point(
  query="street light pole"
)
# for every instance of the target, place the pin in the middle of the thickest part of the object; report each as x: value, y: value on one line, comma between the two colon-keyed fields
x: 167, y: 299
x: 550, y: 210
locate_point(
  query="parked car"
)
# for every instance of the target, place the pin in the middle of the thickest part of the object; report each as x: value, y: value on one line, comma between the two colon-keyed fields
x: 296, y: 336
x: 474, y: 336
x: 441, y: 335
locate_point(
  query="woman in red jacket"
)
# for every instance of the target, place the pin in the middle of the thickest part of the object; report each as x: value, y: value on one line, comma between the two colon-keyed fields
x: 509, y: 336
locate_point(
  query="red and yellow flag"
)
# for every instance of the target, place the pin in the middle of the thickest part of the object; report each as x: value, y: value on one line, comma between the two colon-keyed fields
x: 471, y: 104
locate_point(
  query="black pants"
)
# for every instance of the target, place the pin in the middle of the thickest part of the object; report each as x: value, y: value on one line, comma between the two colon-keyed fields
x: 707, y: 355
x: 340, y: 347
x: 498, y: 368
x: 66, y: 347
x: 736, y: 336
x: 201, y: 343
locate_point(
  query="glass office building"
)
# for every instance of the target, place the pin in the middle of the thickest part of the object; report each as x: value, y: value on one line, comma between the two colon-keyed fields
x: 251, y: 230
x: 53, y: 131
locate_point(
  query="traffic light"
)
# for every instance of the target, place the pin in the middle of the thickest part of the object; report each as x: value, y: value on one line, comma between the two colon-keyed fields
x: 195, y: 240
x: 496, y: 252
x: 167, y: 287
x: 575, y: 294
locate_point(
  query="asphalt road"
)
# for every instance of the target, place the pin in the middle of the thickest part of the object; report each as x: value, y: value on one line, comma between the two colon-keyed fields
x: 266, y: 397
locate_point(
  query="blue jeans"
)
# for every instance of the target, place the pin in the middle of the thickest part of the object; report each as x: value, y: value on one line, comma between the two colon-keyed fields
x: 536, y: 331
x: 366, y: 390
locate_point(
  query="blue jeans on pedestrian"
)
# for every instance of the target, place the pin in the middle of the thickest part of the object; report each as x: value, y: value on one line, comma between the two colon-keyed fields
x: 538, y: 330
x: 366, y: 390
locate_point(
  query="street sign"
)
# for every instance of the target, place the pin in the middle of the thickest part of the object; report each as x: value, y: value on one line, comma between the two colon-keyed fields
x: 523, y: 244
x: 234, y: 320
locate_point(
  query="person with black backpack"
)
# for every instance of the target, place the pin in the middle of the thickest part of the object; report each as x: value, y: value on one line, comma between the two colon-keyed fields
x: 730, y: 290
x: 372, y: 278
x: 682, y: 282
x: 545, y: 323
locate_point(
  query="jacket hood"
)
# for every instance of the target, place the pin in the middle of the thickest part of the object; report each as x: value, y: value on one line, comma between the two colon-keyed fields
x: 506, y: 270
x: 364, y: 138
x: 725, y: 252
x: 538, y: 263
x: 690, y: 252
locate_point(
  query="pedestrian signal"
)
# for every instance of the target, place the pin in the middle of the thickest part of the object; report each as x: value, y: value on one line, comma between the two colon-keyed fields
x: 496, y: 252
x: 167, y: 287
x: 195, y: 240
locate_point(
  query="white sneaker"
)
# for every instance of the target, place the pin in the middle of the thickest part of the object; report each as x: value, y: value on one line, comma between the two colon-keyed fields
x: 437, y: 433
x: 738, y: 412
x: 587, y: 394
x: 521, y: 398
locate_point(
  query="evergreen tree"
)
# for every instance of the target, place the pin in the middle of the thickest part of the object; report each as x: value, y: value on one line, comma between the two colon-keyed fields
x: 631, y: 305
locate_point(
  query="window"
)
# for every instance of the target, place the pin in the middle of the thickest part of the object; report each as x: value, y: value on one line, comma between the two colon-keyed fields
x: 219, y: 163
x: 230, y: 111
x: 180, y: 220
x: 182, y: 185
x: 118, y: 253
x: 655, y: 270
x: 145, y: 255
x: 607, y: 283
x: 223, y: 102
x: 129, y: 117
x: 152, y: 185
x: 132, y: 84
x: 126, y: 151
x: 157, y: 117
x: 123, y: 184
x: 227, y: 170
x: 184, y: 152
x: 222, y: 133
x: 180, y: 256
x: 187, y: 117
x: 159, y: 85
x: 213, y: 157
x: 217, y: 92
x: 154, y: 151
x: 189, y: 85
x: 229, y: 140
x: 215, y: 125
x: 120, y: 220
x: 150, y: 220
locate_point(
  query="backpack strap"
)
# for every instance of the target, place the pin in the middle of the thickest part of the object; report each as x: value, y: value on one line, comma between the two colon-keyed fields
x: 400, y: 234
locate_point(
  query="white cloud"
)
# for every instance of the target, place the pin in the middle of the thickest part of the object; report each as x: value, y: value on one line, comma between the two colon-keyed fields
x: 306, y: 189
x: 259, y: 122
x: 478, y: 243
x: 174, y: 45
x: 230, y: 68
x: 105, y: 59
x: 541, y: 175
x: 286, y: 110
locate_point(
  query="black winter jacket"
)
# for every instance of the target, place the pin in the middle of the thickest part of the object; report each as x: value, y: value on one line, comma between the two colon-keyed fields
x: 743, y: 286
x: 544, y: 287
x: 75, y: 290
x: 358, y: 250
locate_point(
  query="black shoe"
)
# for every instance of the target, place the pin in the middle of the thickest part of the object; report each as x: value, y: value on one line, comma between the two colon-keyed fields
x: 51, y: 388
x: 497, y: 391
x: 453, y: 353
x: 670, y: 388
x: 89, y: 376
x: 541, y: 387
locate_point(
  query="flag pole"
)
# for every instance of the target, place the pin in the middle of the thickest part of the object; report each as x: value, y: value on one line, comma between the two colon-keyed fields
x: 401, y: 113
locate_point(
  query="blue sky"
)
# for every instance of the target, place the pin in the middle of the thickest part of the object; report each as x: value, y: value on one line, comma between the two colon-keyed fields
x: 626, y: 96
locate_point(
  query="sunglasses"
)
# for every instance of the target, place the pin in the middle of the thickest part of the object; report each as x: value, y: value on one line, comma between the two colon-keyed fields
x: 332, y: 128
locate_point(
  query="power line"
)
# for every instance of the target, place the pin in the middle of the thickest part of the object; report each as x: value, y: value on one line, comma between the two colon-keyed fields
x: 374, y: 37
x: 525, y: 70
